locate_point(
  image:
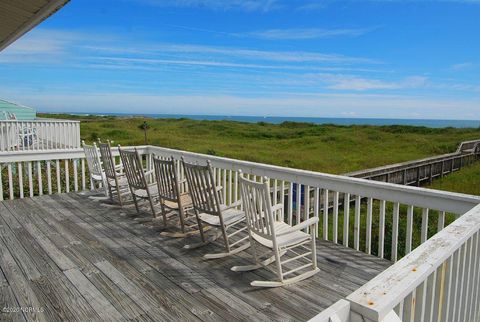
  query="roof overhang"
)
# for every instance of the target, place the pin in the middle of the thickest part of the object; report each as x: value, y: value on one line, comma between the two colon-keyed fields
x: 19, y: 17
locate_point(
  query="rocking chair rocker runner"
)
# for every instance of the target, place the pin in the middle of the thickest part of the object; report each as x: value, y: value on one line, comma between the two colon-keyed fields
x: 95, y: 165
x: 269, y: 230
x: 137, y: 180
x: 210, y: 209
x: 114, y: 179
x: 171, y: 198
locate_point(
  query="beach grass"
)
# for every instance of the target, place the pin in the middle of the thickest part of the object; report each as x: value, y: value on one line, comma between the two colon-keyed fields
x: 326, y: 148
x: 465, y: 181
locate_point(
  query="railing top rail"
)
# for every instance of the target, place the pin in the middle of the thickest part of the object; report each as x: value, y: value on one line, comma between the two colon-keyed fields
x: 40, y: 121
x: 470, y: 143
x: 421, y: 197
x: 54, y: 154
x: 379, y: 296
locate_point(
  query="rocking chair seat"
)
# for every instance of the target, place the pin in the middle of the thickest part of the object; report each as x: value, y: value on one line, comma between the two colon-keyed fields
x: 122, y: 181
x: 142, y: 193
x: 97, y: 177
x: 185, y: 199
x: 288, y: 239
x: 229, y: 216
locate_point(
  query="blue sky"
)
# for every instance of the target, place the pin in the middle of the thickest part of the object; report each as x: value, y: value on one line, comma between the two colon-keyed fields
x: 386, y: 59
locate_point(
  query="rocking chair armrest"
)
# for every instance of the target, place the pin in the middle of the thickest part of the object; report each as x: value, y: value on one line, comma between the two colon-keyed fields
x: 234, y: 205
x: 119, y: 166
x: 147, y: 173
x: 300, y: 226
x: 277, y: 207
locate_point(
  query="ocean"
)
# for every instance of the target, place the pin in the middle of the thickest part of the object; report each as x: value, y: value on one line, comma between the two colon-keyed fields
x: 320, y: 120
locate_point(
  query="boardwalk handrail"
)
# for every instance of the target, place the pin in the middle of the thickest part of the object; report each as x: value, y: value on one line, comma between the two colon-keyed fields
x: 416, y: 172
x: 40, y: 134
x: 433, y: 269
x: 467, y: 145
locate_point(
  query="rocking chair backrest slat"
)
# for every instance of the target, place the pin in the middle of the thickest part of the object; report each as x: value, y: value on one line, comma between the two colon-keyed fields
x: 167, y: 181
x: 107, y: 159
x: 93, y: 159
x: 132, y: 165
x: 258, y: 207
x: 202, y: 188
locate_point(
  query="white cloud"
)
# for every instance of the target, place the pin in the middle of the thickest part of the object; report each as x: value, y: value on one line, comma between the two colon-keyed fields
x: 268, y: 5
x: 462, y: 66
x: 55, y: 46
x: 234, y: 52
x: 244, y: 5
x: 48, y: 46
x: 40, y: 45
x: 355, y: 83
x: 148, y: 61
x: 306, y: 33
x: 312, y: 6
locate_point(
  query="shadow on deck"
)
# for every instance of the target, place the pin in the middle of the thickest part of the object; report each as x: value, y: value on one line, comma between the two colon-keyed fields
x: 68, y: 257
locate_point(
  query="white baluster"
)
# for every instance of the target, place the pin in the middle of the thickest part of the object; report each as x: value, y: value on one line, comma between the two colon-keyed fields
x: 20, y: 178
x: 49, y: 177
x: 325, y: 214
x: 381, y: 230
x: 30, y: 181
x: 346, y: 218
x: 39, y: 174
x: 396, y: 213
x: 356, y: 224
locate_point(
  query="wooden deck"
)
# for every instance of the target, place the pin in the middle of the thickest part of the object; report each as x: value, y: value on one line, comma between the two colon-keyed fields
x: 68, y: 257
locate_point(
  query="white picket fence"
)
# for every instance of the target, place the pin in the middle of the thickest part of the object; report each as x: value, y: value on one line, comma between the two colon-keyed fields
x: 347, y: 208
x: 39, y: 135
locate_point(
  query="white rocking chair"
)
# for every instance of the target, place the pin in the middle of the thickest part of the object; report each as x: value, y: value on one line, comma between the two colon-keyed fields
x: 140, y: 188
x: 269, y: 230
x: 210, y: 209
x: 116, y: 180
x: 172, y: 200
x: 95, y: 165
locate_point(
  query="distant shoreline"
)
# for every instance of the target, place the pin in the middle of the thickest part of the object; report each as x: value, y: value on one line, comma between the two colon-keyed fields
x: 433, y: 123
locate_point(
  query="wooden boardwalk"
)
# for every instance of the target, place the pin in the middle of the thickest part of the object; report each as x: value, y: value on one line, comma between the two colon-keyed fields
x: 70, y: 258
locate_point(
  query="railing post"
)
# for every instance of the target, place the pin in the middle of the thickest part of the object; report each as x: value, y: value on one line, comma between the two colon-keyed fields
x: 431, y: 173
x: 418, y: 176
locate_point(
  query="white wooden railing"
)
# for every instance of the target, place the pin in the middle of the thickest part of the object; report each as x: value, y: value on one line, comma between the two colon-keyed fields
x: 439, y: 281
x: 406, y: 219
x: 33, y: 173
x: 39, y: 135
x: 348, y: 223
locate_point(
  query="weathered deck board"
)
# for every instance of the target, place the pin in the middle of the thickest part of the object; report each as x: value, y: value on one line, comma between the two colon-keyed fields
x: 79, y: 259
